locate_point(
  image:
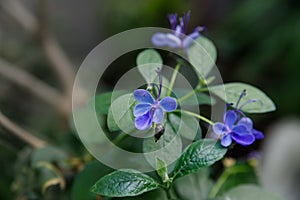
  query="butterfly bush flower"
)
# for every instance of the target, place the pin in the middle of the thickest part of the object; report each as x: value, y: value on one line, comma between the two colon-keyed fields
x: 150, y: 110
x: 177, y: 39
x: 236, y: 126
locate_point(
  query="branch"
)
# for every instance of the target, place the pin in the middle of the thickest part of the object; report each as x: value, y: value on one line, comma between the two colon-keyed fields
x: 35, y: 86
x: 21, y: 133
x: 53, y: 51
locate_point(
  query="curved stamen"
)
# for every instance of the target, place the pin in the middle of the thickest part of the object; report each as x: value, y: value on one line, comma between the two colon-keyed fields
x: 251, y: 101
x: 160, y: 82
x: 241, y: 96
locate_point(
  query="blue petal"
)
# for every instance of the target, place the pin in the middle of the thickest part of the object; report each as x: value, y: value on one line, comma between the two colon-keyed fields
x: 173, y: 20
x: 143, y: 96
x: 141, y: 109
x: 219, y: 128
x: 257, y: 134
x: 243, y: 139
x: 240, y: 129
x: 247, y: 122
x: 230, y: 118
x: 173, y: 41
x: 159, y: 39
x: 143, y: 122
x: 190, y: 39
x: 226, y: 140
x: 158, y: 115
x: 169, y: 104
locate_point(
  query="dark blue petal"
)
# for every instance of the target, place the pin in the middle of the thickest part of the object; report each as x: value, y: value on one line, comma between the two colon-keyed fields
x: 240, y: 129
x: 143, y: 96
x: 219, y: 128
x: 158, y: 115
x: 169, y: 104
x: 159, y: 39
x: 243, y: 139
x: 258, y: 134
x: 226, y: 140
x: 230, y: 118
x: 173, y: 41
x: 141, y: 109
x: 143, y: 122
x: 247, y: 122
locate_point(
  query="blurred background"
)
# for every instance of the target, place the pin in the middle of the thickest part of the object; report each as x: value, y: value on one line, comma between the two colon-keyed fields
x: 257, y: 42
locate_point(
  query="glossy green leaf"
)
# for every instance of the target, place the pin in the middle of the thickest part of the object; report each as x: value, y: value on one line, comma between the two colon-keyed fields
x: 197, y: 155
x: 127, y: 182
x: 161, y: 169
x: 167, y: 148
x: 249, y: 192
x: 185, y: 125
x: 120, y: 115
x: 233, y: 91
x: 202, y: 55
x: 148, y: 61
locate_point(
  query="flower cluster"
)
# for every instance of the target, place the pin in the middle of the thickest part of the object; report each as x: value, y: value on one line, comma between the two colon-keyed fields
x: 177, y: 39
x: 149, y: 110
x: 236, y: 126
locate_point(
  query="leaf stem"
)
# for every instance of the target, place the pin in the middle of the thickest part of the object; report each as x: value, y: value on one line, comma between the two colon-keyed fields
x: 196, y: 115
x: 119, y: 138
x: 222, y: 179
x: 173, y: 79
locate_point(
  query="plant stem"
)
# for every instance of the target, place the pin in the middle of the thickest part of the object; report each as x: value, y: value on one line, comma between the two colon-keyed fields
x: 196, y: 115
x: 119, y: 138
x: 173, y: 79
x: 222, y: 179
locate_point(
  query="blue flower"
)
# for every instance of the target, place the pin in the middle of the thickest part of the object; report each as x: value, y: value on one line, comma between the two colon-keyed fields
x: 177, y: 39
x: 236, y: 126
x: 149, y: 110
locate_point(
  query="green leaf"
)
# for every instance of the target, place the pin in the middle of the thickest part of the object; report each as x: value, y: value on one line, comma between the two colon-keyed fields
x: 194, y: 186
x: 234, y: 90
x: 161, y: 169
x: 120, y: 115
x: 202, y: 55
x: 148, y: 61
x: 85, y: 179
x: 187, y: 126
x: 123, y: 183
x: 167, y: 148
x: 199, y: 98
x: 104, y: 100
x: 197, y: 155
x: 249, y: 192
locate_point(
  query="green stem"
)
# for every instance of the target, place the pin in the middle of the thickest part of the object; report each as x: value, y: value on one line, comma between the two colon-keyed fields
x: 196, y: 115
x: 120, y: 138
x: 222, y: 179
x: 173, y: 79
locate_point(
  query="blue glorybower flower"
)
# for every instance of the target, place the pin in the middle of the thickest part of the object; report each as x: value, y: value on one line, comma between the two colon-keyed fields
x: 236, y: 126
x: 149, y: 110
x: 177, y: 38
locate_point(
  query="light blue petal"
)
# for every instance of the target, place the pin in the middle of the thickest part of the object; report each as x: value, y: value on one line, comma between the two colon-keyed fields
x: 247, y: 122
x: 159, y: 39
x: 226, y: 140
x: 158, y: 115
x: 173, y: 41
x: 190, y: 39
x: 230, y: 118
x: 219, y: 128
x: 143, y: 122
x: 168, y: 104
x: 141, y: 109
x: 143, y: 96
